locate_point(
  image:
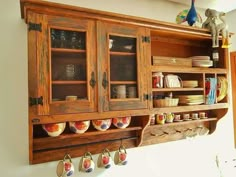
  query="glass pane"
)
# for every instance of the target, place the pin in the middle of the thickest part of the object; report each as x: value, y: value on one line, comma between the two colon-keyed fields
x: 67, y: 39
x: 68, y: 65
x: 123, y: 67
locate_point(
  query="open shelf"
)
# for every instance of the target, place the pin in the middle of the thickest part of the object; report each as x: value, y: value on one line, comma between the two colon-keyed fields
x: 176, y: 89
x: 185, y: 122
x: 188, y: 70
x: 192, y: 108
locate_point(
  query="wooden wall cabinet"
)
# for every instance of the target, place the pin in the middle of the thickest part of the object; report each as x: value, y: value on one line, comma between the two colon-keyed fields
x: 74, y: 51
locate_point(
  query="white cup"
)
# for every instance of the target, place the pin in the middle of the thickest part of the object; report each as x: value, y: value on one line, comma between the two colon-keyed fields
x: 70, y: 71
x: 120, y: 91
x: 132, y: 92
x: 194, y: 115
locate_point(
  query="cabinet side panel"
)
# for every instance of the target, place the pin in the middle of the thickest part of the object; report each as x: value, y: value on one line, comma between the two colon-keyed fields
x: 32, y: 78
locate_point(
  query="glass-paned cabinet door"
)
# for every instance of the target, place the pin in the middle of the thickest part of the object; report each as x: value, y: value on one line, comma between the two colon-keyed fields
x: 123, y: 68
x: 72, y: 75
x: 123, y: 78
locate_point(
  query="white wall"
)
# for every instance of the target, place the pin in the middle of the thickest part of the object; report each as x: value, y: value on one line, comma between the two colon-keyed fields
x: 232, y: 28
x: 181, y: 158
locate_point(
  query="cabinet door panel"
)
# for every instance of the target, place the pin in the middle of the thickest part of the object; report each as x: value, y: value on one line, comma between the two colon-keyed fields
x: 66, y: 66
x: 122, y: 67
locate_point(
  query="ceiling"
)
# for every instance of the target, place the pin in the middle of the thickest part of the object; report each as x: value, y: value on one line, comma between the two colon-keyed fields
x: 219, y: 5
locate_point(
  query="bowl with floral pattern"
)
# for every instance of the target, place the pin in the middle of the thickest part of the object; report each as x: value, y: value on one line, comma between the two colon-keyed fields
x: 102, y: 124
x: 54, y: 129
x: 121, y: 122
x: 79, y: 126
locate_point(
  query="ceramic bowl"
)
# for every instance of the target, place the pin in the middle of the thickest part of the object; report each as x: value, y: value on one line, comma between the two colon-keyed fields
x: 79, y: 126
x: 102, y: 124
x: 121, y: 122
x: 54, y: 129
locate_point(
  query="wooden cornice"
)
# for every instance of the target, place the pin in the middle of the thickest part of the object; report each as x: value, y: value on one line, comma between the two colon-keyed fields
x: 51, y: 8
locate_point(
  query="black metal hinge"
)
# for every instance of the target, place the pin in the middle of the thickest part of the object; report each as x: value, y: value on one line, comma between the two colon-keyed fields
x: 146, y: 39
x: 36, y: 101
x: 35, y: 27
x: 147, y: 97
x: 35, y: 120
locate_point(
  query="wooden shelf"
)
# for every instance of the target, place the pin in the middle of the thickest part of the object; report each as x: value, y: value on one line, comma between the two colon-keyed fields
x: 122, y: 53
x: 191, y: 108
x: 188, y: 70
x: 62, y: 50
x: 185, y: 122
x: 72, y: 139
x: 123, y: 82
x: 176, y: 89
x: 63, y: 82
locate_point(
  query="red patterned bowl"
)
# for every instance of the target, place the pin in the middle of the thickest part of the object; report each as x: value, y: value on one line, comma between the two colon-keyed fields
x: 121, y: 122
x: 79, y: 126
x: 102, y: 124
x: 54, y: 129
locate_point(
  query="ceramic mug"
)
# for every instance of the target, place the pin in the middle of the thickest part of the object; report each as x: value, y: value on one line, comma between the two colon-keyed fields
x: 86, y: 164
x: 71, y: 98
x: 202, y: 115
x: 186, y: 116
x: 120, y: 91
x: 194, y: 115
x: 177, y: 117
x: 169, y: 117
x: 65, y: 167
x: 132, y: 92
x: 70, y: 71
x: 120, y: 157
x: 160, y: 118
x: 104, y: 159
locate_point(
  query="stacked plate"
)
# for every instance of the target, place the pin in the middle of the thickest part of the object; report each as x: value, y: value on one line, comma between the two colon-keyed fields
x: 222, y: 87
x: 190, y: 83
x: 191, y: 99
x: 201, y: 61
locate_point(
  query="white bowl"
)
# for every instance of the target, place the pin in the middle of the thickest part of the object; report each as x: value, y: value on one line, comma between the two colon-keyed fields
x: 102, y: 124
x: 121, y: 122
x: 79, y: 126
x: 54, y: 129
x: 110, y: 43
x: 190, y: 83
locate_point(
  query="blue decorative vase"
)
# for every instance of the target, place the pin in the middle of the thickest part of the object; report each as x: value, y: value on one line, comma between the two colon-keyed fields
x: 192, y: 14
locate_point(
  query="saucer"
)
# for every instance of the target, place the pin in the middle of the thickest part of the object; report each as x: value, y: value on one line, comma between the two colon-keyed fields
x: 195, y: 118
x: 178, y: 120
x: 187, y: 119
x: 203, y: 117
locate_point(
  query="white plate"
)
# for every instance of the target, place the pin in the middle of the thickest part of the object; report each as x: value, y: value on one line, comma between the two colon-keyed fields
x: 203, y: 65
x: 194, y: 103
x: 200, y: 57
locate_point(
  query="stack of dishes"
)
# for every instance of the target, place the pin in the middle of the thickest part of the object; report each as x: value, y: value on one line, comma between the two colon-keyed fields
x: 191, y: 99
x: 201, y: 61
x: 222, y: 87
x: 190, y: 83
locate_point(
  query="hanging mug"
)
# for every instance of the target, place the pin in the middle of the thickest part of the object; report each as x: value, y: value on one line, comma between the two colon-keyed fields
x: 161, y: 118
x: 86, y: 163
x: 104, y: 159
x: 121, y: 156
x: 169, y: 117
x: 65, y: 167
